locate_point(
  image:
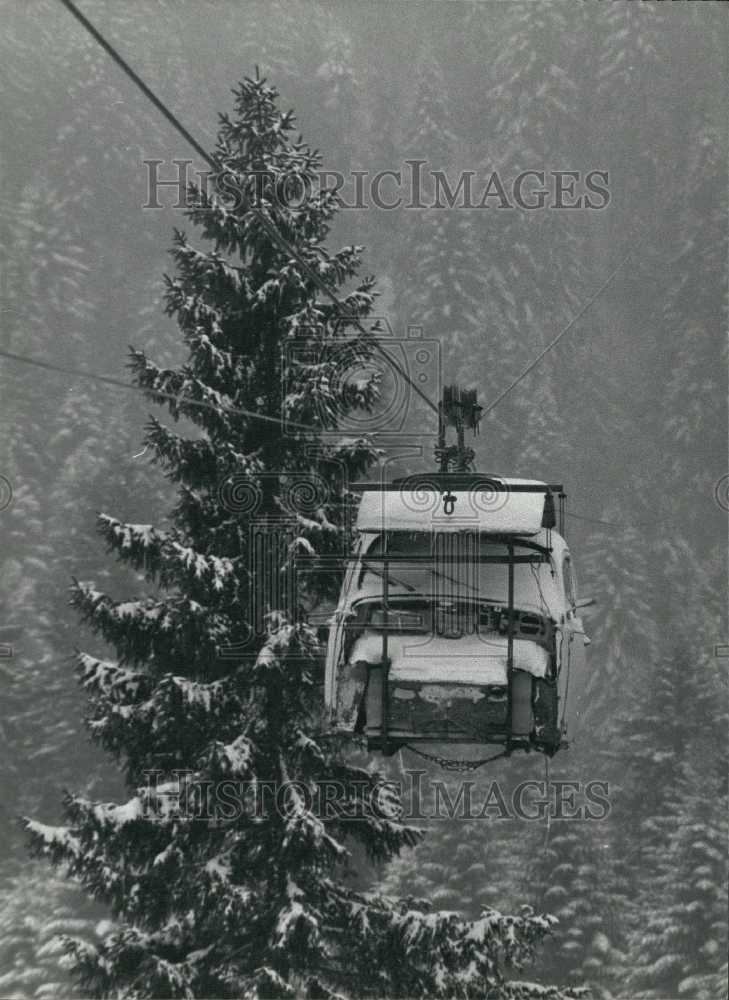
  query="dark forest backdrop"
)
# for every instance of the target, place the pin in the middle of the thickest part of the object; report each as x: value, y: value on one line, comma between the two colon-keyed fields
x: 629, y: 410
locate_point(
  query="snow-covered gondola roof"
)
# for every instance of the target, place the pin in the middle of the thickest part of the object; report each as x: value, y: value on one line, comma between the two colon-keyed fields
x: 501, y: 511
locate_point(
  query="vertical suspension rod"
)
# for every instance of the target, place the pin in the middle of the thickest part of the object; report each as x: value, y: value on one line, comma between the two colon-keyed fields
x: 510, y: 633
x: 385, y: 642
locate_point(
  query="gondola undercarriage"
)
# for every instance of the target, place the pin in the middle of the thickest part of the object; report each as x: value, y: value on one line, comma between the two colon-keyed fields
x: 424, y: 692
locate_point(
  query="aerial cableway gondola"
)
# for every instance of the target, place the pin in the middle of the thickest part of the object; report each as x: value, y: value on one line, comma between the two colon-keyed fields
x: 458, y: 620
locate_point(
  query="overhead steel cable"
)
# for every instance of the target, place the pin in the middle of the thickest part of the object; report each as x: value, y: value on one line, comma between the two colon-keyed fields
x: 260, y: 215
x: 147, y: 91
x: 616, y: 524
x: 133, y: 387
x: 553, y: 343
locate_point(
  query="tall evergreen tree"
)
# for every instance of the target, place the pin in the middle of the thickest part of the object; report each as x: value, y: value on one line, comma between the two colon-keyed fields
x: 212, y: 900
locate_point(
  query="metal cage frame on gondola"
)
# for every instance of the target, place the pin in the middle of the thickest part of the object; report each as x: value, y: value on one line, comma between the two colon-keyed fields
x: 527, y: 712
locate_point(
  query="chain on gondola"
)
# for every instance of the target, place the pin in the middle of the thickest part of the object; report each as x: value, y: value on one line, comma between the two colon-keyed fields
x: 456, y: 764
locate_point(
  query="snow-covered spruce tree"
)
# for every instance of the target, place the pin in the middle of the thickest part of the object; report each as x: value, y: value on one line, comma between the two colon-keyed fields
x: 213, y: 898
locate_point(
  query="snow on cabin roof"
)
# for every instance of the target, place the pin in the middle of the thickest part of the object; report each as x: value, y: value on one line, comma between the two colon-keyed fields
x: 500, y: 512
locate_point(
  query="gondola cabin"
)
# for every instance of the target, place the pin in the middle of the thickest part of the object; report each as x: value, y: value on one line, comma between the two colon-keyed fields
x: 458, y: 620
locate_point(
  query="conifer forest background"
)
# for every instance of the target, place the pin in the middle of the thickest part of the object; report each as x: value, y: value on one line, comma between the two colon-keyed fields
x: 629, y: 409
